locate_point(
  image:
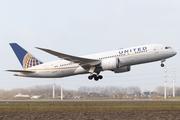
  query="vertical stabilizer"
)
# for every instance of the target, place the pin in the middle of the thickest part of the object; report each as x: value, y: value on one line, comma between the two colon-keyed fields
x: 25, y: 58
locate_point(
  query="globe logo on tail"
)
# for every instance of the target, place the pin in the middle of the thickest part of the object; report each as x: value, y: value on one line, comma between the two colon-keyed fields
x: 30, y: 61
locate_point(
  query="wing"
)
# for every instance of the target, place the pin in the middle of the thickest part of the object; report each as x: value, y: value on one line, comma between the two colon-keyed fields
x: 23, y: 71
x: 86, y: 62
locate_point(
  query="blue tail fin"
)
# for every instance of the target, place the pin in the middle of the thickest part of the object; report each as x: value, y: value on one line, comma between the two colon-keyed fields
x: 25, y: 58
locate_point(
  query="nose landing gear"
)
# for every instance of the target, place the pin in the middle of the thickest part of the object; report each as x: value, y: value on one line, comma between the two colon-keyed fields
x: 96, y: 77
x: 162, y: 65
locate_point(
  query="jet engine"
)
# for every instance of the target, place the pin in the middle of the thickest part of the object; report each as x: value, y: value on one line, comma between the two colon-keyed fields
x: 122, y: 69
x: 110, y: 64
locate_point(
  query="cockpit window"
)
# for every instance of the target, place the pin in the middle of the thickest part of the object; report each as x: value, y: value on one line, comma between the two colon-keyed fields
x: 167, y: 47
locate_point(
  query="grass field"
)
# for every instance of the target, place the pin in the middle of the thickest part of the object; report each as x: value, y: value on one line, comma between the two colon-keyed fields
x: 90, y: 109
x: 95, y: 106
x: 90, y: 105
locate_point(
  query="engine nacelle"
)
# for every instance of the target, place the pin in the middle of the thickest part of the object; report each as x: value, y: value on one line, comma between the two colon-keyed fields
x: 110, y: 64
x: 123, y: 69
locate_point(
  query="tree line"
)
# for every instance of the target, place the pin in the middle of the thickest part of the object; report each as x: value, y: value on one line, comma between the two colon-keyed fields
x: 84, y: 91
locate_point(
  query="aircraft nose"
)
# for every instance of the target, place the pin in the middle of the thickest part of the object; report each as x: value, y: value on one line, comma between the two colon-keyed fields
x: 174, y: 52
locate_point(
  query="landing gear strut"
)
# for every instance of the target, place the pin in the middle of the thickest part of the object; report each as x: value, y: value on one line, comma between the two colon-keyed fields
x: 162, y: 65
x: 96, y: 77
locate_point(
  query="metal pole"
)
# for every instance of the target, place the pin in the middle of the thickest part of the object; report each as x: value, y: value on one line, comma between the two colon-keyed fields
x: 61, y: 90
x: 165, y: 84
x: 53, y: 89
x: 1, y: 95
x: 173, y: 82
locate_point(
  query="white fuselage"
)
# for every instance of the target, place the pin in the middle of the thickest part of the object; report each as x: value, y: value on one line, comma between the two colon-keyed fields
x: 128, y: 57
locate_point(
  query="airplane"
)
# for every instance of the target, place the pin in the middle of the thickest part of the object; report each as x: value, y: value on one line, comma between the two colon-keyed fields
x: 118, y: 61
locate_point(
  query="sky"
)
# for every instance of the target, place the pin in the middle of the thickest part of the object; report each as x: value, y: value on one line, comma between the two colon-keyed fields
x: 81, y: 27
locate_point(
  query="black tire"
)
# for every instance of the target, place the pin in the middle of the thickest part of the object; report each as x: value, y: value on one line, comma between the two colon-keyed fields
x: 90, y: 77
x: 96, y: 78
x: 100, y: 77
x: 94, y: 75
x: 162, y: 65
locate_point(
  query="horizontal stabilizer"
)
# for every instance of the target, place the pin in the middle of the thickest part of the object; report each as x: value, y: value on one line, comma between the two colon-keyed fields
x: 23, y: 71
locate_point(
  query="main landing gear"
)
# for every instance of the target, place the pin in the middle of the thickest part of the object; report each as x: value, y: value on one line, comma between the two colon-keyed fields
x: 162, y: 65
x: 96, y: 77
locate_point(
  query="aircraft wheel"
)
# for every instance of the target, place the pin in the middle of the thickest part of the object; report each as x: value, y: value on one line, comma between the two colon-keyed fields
x: 100, y: 77
x: 94, y: 75
x: 96, y: 78
x: 162, y: 65
x: 90, y: 77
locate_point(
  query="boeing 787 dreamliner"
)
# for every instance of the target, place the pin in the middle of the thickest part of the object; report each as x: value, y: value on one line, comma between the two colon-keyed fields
x: 117, y: 61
